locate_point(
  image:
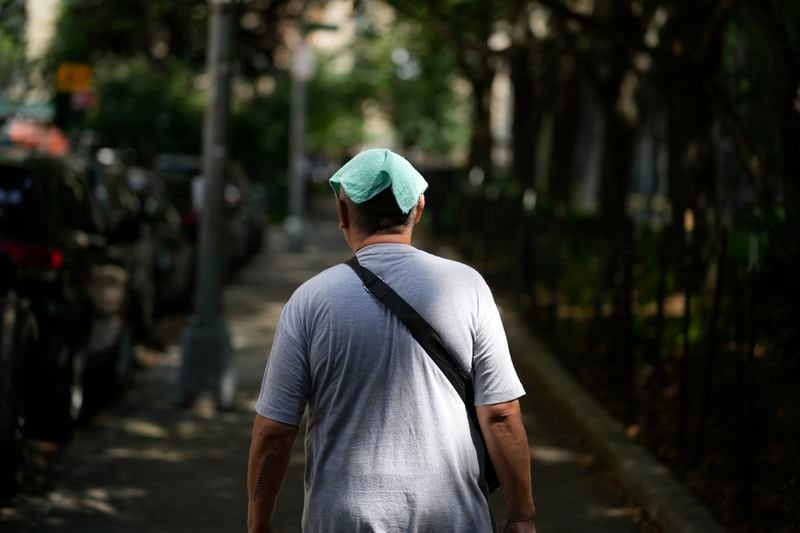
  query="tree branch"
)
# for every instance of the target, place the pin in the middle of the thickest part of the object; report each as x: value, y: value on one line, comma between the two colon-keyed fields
x: 777, y: 32
x: 744, y: 148
x: 716, y: 23
x: 437, y: 23
x: 563, y: 11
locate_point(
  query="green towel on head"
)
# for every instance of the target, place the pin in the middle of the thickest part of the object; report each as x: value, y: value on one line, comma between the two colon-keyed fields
x: 372, y: 171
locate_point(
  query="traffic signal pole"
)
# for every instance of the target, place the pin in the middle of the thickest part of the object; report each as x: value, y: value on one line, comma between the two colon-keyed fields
x: 206, y: 363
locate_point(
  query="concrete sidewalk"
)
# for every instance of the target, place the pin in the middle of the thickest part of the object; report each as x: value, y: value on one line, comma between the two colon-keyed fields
x: 142, y: 465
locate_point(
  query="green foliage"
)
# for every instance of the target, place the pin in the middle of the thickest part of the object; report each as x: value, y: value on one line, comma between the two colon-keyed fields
x: 582, y: 272
x: 335, y: 122
x: 259, y: 138
x: 411, y: 78
x: 779, y: 255
x: 149, y: 110
x: 12, y: 49
x: 88, y: 31
x: 750, y: 65
x: 11, y: 57
x: 165, y: 30
x: 426, y: 112
x: 259, y: 134
x: 149, y: 102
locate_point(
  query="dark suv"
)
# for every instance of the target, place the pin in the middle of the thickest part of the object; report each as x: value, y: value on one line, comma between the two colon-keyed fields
x: 54, y: 232
x: 17, y: 340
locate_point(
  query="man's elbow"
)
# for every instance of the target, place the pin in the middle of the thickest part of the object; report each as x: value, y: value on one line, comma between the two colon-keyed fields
x: 499, y: 413
x: 499, y: 417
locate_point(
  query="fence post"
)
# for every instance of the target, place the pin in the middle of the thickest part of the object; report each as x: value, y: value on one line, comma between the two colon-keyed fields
x: 628, y: 360
x: 712, y: 348
x: 683, y: 377
x: 658, y: 335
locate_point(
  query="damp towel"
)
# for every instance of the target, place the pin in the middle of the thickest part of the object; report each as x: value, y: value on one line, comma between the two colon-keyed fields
x: 372, y: 171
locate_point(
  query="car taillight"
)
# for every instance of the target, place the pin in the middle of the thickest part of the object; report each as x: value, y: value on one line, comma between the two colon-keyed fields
x: 34, y: 256
x: 56, y: 258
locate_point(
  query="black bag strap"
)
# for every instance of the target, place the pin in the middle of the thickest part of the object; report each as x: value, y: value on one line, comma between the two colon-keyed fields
x: 427, y: 337
x: 421, y: 331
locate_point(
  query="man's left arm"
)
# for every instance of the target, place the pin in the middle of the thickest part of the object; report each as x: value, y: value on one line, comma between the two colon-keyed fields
x: 507, y: 443
x: 270, y: 450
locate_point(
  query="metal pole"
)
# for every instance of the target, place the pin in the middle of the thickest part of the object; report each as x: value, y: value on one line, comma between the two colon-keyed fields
x: 302, y: 71
x: 295, y: 224
x: 205, y: 344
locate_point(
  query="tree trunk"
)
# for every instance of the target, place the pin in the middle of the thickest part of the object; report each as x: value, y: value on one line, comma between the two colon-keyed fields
x: 657, y: 381
x: 776, y: 24
x: 526, y: 118
x: 790, y: 143
x: 712, y: 348
x: 692, y: 168
x: 617, y: 153
x: 564, y: 134
x: 481, y: 141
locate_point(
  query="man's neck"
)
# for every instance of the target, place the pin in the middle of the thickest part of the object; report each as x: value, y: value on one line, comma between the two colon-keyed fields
x: 389, y: 238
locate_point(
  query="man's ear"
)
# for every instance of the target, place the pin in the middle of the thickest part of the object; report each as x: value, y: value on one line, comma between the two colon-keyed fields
x: 344, y: 214
x: 420, y: 209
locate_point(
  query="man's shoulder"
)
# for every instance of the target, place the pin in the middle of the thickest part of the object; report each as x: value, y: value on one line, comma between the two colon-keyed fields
x: 339, y: 281
x: 443, y: 264
x: 324, y: 280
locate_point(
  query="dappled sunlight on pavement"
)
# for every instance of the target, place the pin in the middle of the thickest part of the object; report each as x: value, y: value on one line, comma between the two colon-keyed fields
x: 550, y: 455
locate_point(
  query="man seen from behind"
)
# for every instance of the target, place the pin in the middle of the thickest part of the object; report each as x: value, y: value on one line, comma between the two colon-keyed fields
x: 389, y: 444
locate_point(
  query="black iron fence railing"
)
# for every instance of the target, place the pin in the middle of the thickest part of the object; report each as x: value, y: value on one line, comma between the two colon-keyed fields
x: 690, y: 338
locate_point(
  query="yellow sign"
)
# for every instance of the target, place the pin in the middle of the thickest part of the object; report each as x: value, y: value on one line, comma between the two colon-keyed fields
x: 73, y: 77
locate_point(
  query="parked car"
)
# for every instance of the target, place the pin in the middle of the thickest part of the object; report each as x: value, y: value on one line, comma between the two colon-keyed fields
x: 128, y: 234
x: 53, y: 229
x: 178, y: 172
x: 174, y: 256
x: 182, y: 175
x: 253, y: 207
x: 18, y: 336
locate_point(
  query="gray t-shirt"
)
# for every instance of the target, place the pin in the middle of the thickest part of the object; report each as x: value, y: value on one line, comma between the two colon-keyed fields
x: 388, y: 442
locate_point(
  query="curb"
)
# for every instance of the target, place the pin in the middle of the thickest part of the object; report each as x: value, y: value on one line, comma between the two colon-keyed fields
x: 650, y: 483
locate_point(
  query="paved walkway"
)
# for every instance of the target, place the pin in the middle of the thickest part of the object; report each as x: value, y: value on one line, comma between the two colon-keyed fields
x: 143, y: 466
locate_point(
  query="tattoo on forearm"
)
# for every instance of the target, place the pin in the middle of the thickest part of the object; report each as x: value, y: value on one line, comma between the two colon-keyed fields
x: 263, y: 472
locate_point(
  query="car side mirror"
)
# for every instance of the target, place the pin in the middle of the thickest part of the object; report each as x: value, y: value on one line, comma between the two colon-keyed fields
x: 8, y: 274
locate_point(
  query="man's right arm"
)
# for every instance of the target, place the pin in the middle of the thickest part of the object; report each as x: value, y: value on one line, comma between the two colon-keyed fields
x: 507, y: 443
x: 270, y: 450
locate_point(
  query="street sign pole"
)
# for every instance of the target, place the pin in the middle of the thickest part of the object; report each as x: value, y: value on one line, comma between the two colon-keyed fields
x: 302, y: 71
x: 206, y: 365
